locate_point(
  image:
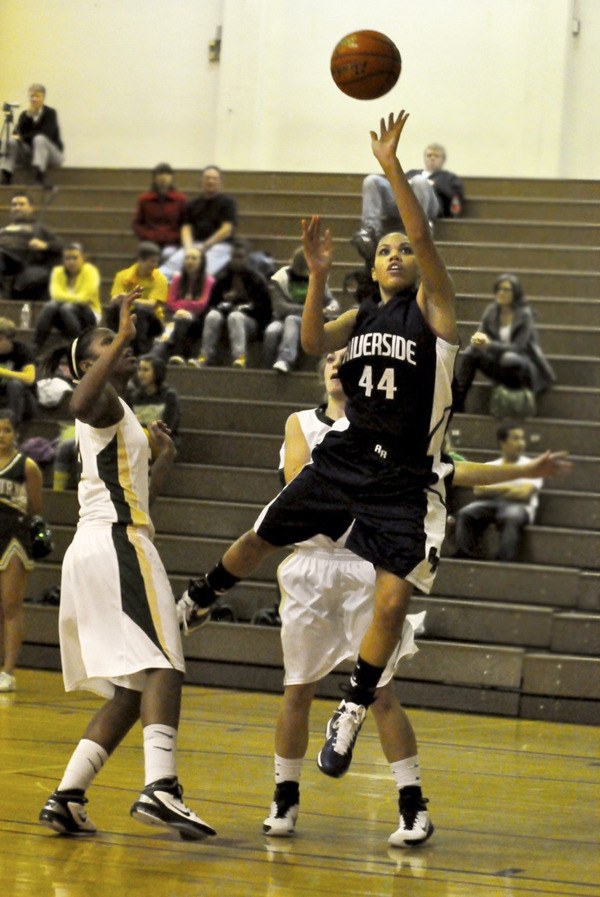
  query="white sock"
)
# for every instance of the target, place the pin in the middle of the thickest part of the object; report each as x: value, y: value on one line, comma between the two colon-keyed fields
x: 287, y: 770
x: 160, y: 743
x: 86, y: 761
x: 406, y: 772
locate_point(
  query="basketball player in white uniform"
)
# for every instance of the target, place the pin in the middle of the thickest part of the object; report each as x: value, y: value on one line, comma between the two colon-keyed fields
x: 119, y: 634
x: 326, y: 606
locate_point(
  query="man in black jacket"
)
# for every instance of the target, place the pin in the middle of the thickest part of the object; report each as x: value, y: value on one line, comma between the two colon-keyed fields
x: 440, y: 194
x: 35, y: 141
x: 28, y: 252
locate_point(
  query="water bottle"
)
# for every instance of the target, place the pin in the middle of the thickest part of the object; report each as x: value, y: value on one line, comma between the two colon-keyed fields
x: 455, y: 206
x: 26, y: 316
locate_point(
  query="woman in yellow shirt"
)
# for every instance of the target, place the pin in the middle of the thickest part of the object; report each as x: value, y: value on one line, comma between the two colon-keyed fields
x: 74, y: 303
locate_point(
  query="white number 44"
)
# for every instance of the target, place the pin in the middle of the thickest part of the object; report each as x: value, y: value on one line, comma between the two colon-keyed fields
x: 386, y: 383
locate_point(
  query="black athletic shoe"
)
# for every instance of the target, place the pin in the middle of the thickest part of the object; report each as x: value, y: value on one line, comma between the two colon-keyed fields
x: 365, y: 242
x: 340, y: 736
x: 281, y: 821
x: 64, y: 813
x: 161, y: 804
x: 194, y: 606
x: 415, y: 825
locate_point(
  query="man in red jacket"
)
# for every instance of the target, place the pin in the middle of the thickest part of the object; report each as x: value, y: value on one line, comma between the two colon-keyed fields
x: 159, y: 212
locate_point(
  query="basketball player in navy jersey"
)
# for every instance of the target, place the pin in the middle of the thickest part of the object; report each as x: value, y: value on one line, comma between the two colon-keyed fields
x: 381, y: 467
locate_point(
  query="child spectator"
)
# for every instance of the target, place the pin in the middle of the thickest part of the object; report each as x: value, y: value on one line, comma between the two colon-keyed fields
x: 288, y: 291
x: 189, y: 294
x: 240, y: 299
x: 151, y: 398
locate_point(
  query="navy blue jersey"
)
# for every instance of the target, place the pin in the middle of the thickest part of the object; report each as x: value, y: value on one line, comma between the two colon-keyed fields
x: 397, y: 376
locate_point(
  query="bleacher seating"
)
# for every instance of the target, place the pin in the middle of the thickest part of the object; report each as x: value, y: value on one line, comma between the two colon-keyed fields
x: 514, y: 639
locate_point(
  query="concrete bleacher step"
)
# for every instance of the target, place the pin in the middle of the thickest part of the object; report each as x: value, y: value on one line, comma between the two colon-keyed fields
x: 260, y: 415
x: 478, y: 678
x: 557, y: 339
x: 578, y: 403
x: 540, y: 233
x: 541, y: 545
x: 576, y: 633
x: 547, y: 310
x: 472, y: 432
x: 480, y: 621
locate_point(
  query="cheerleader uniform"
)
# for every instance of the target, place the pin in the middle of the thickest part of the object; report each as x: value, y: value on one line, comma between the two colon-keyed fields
x: 15, y: 537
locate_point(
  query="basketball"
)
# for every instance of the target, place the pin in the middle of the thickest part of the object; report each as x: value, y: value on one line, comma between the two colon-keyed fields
x: 365, y: 65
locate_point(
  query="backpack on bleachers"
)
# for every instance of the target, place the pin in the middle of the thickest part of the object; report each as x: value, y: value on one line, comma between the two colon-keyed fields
x: 512, y: 404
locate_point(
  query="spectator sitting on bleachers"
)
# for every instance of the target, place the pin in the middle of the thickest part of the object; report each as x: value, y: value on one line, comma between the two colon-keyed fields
x: 153, y: 399
x: 28, y: 251
x: 17, y: 374
x: 189, y: 293
x: 35, y: 140
x: 505, y: 347
x: 510, y: 506
x: 149, y: 308
x: 209, y: 221
x: 74, y: 303
x: 288, y: 287
x: 240, y: 300
x: 440, y: 194
x: 159, y: 212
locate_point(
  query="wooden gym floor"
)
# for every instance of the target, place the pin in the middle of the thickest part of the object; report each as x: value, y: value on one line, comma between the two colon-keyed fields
x: 515, y: 805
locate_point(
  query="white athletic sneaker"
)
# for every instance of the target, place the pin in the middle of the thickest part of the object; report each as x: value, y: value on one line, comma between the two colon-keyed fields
x: 340, y: 735
x: 415, y: 825
x: 64, y: 812
x: 7, y: 682
x: 190, y: 613
x: 161, y: 804
x: 282, y: 367
x: 281, y: 822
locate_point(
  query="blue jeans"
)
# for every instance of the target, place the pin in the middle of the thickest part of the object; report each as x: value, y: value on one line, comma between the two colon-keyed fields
x: 510, y: 517
x: 240, y: 327
x: 379, y: 209
x: 282, y: 341
x: 216, y: 258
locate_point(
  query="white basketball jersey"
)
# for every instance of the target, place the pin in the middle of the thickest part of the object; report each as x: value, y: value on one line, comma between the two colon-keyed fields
x: 114, y: 477
x: 315, y: 425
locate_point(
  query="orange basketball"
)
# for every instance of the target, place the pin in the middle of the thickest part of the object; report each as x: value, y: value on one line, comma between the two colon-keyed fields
x: 365, y: 65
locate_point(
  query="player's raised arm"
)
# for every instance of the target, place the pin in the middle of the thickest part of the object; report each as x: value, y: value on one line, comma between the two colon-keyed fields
x: 436, y: 293
x: 319, y: 336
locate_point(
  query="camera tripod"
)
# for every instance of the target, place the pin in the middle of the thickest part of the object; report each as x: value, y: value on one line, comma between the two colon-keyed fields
x: 5, y: 133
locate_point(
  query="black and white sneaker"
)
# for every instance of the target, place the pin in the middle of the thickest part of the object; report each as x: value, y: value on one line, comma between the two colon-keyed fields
x: 365, y: 242
x: 340, y: 736
x: 64, y: 812
x: 194, y: 606
x: 161, y: 804
x: 415, y: 825
x: 281, y: 822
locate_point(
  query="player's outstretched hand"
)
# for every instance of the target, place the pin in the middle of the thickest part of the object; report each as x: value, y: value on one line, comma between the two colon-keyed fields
x: 385, y: 145
x: 551, y: 464
x: 159, y: 435
x: 318, y: 250
x: 126, y: 316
